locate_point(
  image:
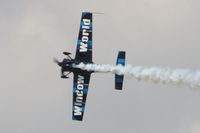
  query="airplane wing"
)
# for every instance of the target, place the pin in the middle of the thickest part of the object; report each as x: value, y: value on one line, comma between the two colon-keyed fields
x: 84, y: 43
x: 80, y: 90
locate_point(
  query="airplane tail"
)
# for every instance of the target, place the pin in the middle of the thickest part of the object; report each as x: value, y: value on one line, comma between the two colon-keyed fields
x: 119, y: 78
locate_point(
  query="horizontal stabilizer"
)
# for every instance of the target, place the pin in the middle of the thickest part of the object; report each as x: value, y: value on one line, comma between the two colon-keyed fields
x: 119, y: 78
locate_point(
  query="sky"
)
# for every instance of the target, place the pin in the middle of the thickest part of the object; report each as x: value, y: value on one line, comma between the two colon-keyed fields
x: 33, y: 97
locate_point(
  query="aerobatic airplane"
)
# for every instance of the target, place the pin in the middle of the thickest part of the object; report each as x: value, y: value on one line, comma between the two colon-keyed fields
x: 82, y: 77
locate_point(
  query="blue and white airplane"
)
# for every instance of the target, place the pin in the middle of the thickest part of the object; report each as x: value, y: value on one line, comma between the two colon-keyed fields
x: 82, y: 77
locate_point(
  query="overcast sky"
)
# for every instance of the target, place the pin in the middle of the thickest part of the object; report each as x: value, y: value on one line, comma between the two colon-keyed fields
x: 33, y: 98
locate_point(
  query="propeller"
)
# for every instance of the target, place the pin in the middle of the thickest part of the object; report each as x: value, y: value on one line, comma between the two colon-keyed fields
x: 56, y: 61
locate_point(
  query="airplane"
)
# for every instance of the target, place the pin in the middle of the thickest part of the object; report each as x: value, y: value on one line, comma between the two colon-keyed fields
x: 82, y: 77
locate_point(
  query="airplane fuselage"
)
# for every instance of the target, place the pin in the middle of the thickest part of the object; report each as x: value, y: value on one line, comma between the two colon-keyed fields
x: 67, y: 65
x: 81, y: 78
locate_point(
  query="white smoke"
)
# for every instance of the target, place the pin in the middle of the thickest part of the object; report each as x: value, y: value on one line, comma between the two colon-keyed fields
x: 177, y: 77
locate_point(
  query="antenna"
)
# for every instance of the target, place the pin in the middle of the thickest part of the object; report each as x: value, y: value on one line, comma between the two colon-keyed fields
x: 97, y: 13
x: 94, y: 12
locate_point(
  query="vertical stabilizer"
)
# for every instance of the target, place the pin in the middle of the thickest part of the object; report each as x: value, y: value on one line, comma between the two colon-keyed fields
x: 120, y: 78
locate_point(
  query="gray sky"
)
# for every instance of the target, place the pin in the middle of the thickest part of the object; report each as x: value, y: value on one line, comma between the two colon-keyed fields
x: 33, y: 98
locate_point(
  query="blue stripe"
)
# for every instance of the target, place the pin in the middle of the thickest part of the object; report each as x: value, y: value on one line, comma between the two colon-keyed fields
x: 121, y: 61
x: 85, y: 89
x: 89, y: 44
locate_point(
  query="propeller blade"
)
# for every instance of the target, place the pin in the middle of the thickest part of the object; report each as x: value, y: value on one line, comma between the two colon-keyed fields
x: 56, y: 61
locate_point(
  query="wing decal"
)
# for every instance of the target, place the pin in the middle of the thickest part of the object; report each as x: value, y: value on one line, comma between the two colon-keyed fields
x: 80, y: 90
x: 84, y: 43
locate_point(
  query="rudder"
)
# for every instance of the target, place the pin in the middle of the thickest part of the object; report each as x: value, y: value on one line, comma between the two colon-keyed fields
x: 119, y: 78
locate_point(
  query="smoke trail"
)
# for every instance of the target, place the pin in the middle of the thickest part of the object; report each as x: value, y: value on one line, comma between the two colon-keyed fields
x: 177, y: 77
